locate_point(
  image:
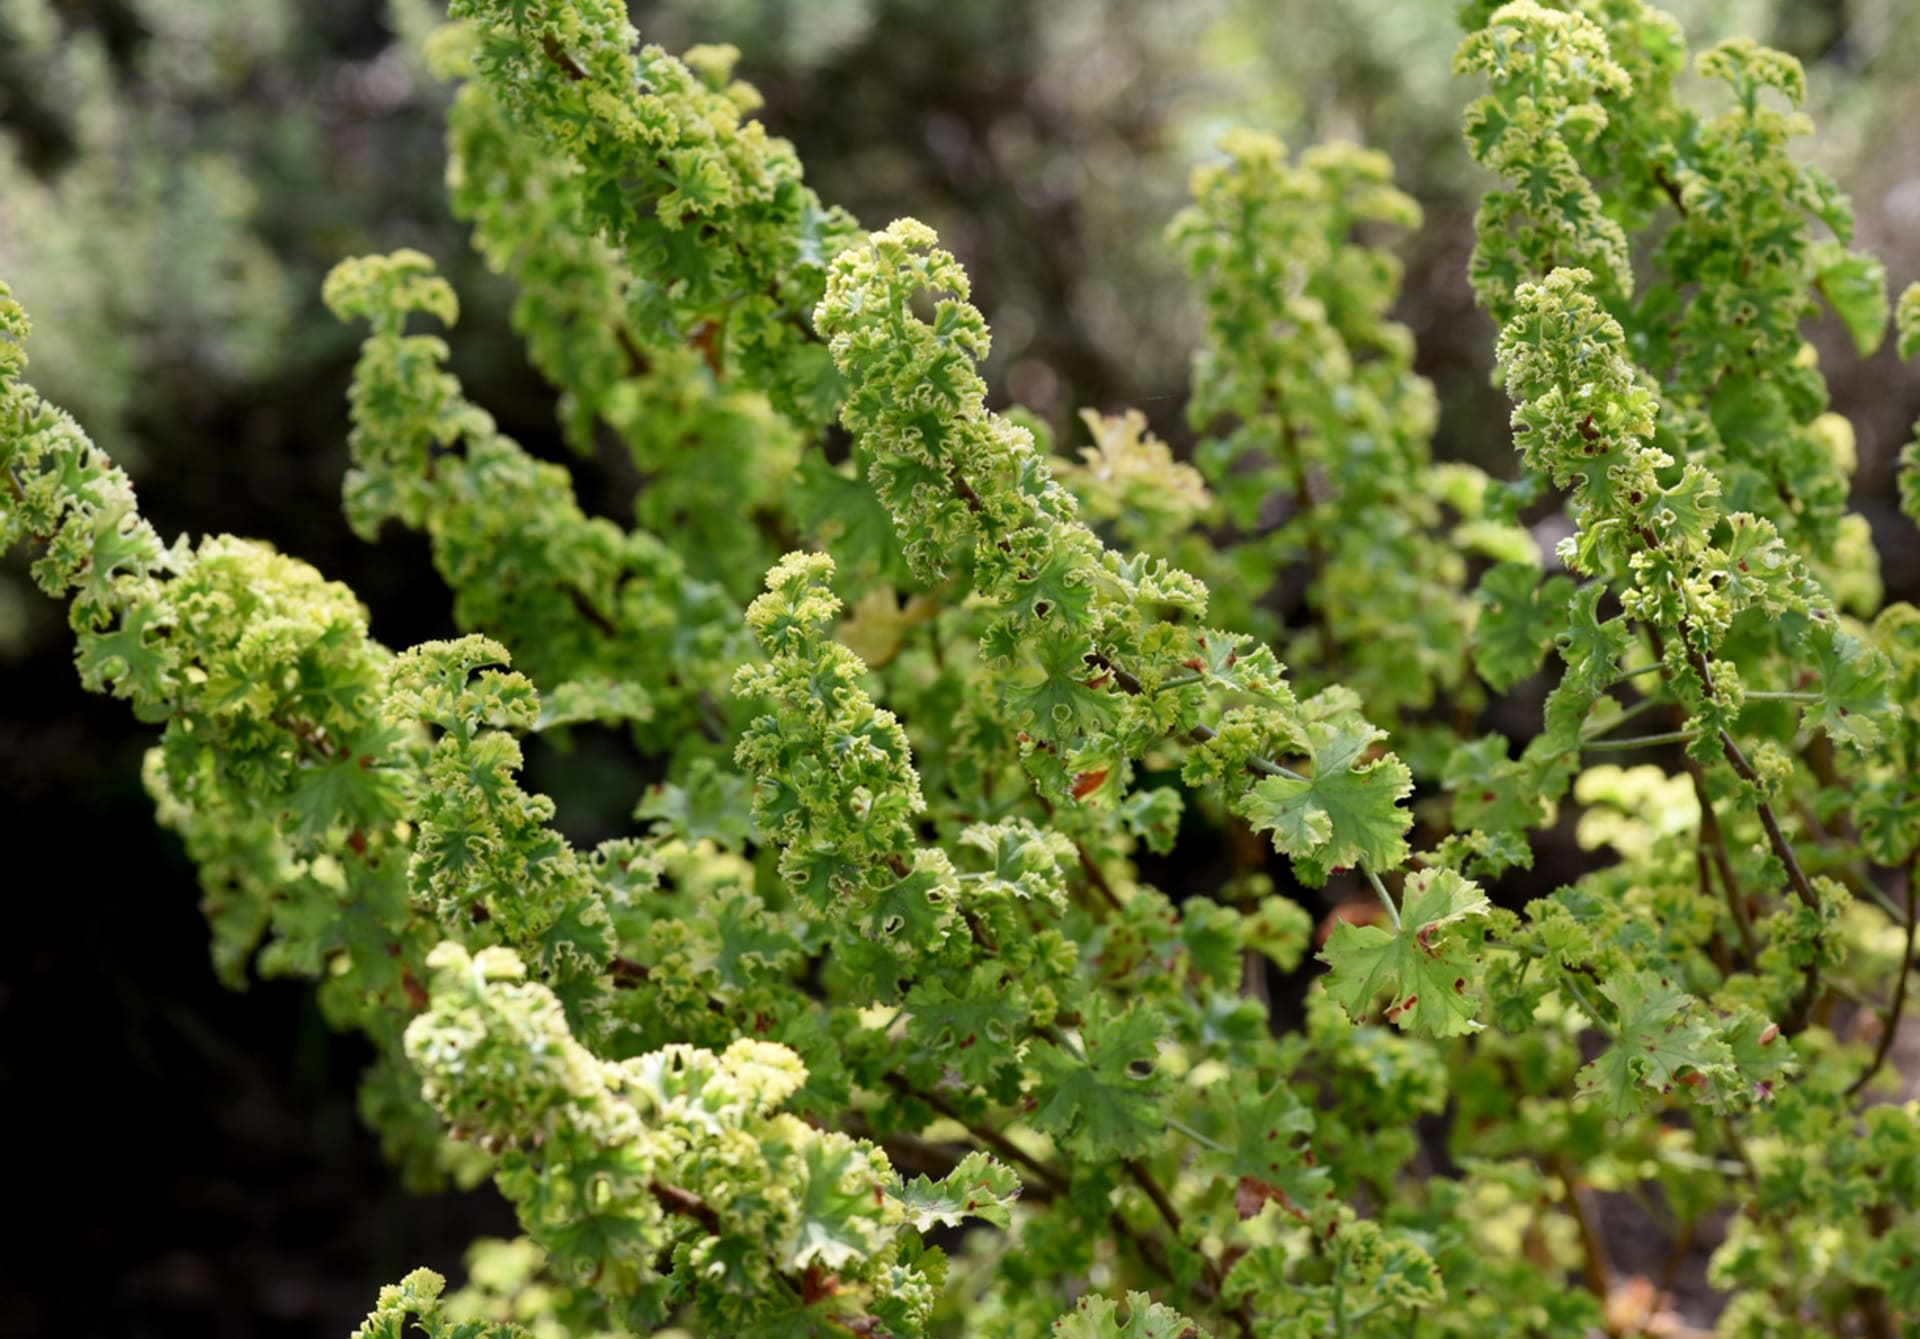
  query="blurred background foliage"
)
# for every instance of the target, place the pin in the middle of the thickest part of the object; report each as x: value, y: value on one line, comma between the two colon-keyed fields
x: 176, y: 176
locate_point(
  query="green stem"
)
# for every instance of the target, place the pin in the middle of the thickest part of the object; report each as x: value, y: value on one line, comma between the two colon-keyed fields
x: 1585, y: 1001
x: 1626, y: 676
x: 1614, y: 723
x: 1891, y: 1023
x: 1200, y: 734
x: 1066, y: 1043
x: 1640, y: 741
x: 1174, y: 1123
x: 1380, y: 890
x: 1340, y: 1297
x: 1181, y: 681
x: 1266, y: 768
x: 1510, y: 947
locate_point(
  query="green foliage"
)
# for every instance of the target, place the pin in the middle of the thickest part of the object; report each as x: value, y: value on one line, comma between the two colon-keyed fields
x: 418, y: 1296
x: 1099, y: 1318
x: 876, y: 1023
x: 1907, y: 321
x: 1317, y: 391
x: 1428, y: 964
x: 1346, y: 813
x: 168, y: 277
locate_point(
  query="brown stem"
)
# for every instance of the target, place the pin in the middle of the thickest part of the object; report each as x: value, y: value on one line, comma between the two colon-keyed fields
x: 1249, y: 854
x: 1875, y: 1323
x: 627, y: 973
x: 1738, y: 1147
x: 713, y: 722
x: 1055, y: 1182
x: 1150, y: 1250
x: 1796, y: 1019
x: 1872, y: 1302
x: 967, y: 493
x: 1715, y: 841
x: 981, y: 939
x: 910, y: 1152
x: 1163, y: 1205
x: 687, y: 1204
x: 558, y: 55
x: 1200, y: 734
x: 1777, y: 839
x: 585, y: 608
x: 1677, y: 1254
x: 1316, y: 542
x: 1098, y: 878
x: 1802, y: 1007
x: 638, y: 362
x: 1712, y: 838
x: 983, y: 1134
x: 1598, y: 1275
x: 20, y: 500
x: 1819, y: 756
x: 630, y: 975
x: 1594, y: 1252
x: 1672, y: 189
x: 1744, y: 769
x: 1891, y: 1023
x: 1157, y: 1194
x: 1126, y: 682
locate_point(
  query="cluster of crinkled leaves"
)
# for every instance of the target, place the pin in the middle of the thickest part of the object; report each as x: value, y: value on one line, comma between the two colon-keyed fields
x: 876, y: 1024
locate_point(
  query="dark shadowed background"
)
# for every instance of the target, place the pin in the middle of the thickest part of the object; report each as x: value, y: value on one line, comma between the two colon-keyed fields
x: 175, y: 178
